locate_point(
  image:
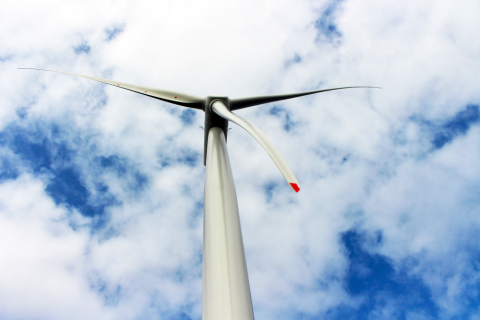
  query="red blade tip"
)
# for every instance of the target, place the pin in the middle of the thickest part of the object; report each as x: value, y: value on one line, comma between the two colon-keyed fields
x: 295, y: 187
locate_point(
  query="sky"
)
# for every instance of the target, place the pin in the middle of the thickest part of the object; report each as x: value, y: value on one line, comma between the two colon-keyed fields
x: 101, y: 189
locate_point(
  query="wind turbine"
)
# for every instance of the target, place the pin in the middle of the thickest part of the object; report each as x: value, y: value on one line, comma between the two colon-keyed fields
x: 226, y: 289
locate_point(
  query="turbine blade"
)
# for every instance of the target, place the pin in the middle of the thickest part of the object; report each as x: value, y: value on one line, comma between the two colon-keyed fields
x: 219, y: 108
x: 241, y: 103
x: 182, y: 99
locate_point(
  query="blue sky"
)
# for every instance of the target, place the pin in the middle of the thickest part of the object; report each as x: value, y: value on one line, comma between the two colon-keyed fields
x: 101, y: 190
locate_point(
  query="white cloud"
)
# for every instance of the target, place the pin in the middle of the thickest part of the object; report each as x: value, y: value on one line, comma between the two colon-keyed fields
x: 360, y: 158
x: 42, y: 265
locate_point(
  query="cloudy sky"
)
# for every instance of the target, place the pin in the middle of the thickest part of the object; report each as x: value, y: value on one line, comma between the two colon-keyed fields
x: 101, y: 189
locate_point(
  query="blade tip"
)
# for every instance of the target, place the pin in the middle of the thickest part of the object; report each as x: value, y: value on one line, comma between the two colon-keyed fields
x: 295, y: 187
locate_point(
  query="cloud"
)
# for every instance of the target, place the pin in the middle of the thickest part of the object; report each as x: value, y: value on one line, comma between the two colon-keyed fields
x: 42, y: 257
x: 102, y: 190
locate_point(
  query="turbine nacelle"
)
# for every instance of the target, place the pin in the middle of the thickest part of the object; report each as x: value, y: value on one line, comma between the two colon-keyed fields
x: 213, y: 120
x: 218, y: 111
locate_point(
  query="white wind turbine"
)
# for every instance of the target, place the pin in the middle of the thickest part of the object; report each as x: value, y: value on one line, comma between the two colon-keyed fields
x: 226, y: 290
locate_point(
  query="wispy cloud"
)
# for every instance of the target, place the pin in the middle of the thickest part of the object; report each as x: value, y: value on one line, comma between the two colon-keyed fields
x: 101, y: 190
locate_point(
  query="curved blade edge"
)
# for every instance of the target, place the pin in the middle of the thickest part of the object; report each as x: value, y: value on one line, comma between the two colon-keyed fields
x: 179, y: 98
x: 241, y: 103
x: 219, y: 108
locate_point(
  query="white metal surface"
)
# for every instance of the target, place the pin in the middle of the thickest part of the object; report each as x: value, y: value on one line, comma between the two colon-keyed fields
x: 167, y: 95
x: 226, y: 291
x: 219, y: 108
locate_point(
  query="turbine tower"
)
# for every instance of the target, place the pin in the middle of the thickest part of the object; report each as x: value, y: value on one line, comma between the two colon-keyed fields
x: 226, y: 289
